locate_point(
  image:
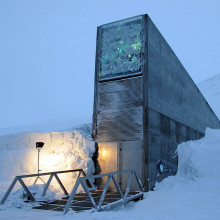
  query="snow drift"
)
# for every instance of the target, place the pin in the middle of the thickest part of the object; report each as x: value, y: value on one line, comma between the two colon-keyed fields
x: 200, y: 159
x: 62, y: 151
x: 194, y: 192
x: 198, y: 164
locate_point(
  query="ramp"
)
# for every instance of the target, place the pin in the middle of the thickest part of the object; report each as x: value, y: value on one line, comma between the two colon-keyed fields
x: 91, y: 199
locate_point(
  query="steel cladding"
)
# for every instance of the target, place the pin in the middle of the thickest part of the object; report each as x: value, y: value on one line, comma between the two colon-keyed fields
x: 144, y: 95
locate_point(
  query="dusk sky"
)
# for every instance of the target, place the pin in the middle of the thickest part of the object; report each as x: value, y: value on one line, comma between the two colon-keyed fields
x: 47, y: 51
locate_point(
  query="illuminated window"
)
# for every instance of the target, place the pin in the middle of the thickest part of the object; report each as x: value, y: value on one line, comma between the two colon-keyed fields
x: 120, y: 48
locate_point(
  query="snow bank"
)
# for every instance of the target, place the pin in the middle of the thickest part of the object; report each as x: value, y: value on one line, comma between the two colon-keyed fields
x: 194, y: 192
x: 199, y: 164
x: 200, y: 159
x: 57, y: 125
x: 62, y: 151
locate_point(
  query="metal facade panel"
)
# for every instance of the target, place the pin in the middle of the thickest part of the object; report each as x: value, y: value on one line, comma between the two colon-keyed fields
x: 131, y: 157
x: 164, y: 135
x: 119, y: 110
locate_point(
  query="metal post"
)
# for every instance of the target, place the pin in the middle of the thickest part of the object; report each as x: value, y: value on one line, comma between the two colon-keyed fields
x: 138, y: 182
x: 104, y: 192
x: 38, y: 160
x: 85, y: 187
x: 38, y: 168
x: 73, y: 193
x: 47, y: 184
x: 9, y: 190
x: 129, y: 185
x: 118, y: 188
x: 60, y: 183
x: 26, y: 189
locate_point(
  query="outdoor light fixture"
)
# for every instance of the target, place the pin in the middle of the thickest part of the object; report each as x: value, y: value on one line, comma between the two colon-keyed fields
x: 160, y: 167
x: 39, y: 146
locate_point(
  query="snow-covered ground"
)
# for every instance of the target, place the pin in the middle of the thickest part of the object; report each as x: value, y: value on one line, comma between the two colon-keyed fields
x: 194, y: 193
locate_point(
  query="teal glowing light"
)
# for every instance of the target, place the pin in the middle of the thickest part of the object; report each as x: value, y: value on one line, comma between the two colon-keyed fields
x: 137, y: 45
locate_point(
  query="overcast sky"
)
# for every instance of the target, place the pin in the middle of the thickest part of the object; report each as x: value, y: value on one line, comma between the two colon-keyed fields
x: 47, y: 51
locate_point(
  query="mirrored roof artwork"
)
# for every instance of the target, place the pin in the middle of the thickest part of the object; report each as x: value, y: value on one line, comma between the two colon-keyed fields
x: 120, y: 48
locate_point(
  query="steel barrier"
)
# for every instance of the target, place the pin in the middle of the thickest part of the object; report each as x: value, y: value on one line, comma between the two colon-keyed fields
x: 111, y: 176
x: 52, y: 174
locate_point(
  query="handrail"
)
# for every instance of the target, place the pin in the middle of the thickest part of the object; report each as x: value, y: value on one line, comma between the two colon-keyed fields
x: 111, y: 176
x: 52, y: 174
x: 87, y: 184
x: 48, y: 173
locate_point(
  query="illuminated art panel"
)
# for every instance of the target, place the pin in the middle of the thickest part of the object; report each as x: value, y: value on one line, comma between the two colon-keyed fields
x: 120, y: 48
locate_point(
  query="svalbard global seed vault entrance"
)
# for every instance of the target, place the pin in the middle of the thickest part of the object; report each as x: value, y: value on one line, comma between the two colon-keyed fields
x: 145, y: 102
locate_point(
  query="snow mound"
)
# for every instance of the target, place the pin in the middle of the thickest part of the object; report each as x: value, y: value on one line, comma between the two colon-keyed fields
x: 194, y: 192
x: 19, y: 197
x: 199, y: 164
x: 200, y: 159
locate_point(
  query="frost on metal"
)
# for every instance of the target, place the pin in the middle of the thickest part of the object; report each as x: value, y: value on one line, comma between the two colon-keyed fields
x: 120, y: 48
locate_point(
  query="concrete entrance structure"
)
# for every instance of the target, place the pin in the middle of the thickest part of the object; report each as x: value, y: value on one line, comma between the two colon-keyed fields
x: 145, y: 102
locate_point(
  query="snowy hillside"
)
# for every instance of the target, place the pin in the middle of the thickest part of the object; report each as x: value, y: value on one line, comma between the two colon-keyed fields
x: 210, y: 88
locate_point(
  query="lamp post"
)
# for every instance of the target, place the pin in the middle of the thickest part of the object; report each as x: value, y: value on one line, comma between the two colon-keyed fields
x: 39, y: 146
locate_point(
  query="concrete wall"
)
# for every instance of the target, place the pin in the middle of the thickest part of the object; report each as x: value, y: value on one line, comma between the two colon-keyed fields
x: 175, y: 108
x: 171, y: 91
x: 164, y: 135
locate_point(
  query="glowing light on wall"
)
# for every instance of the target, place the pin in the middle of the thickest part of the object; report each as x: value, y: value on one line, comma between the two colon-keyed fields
x: 53, y: 159
x: 104, y: 152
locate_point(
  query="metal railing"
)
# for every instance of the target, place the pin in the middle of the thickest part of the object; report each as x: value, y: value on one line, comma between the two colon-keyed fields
x: 52, y: 174
x: 111, y: 176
